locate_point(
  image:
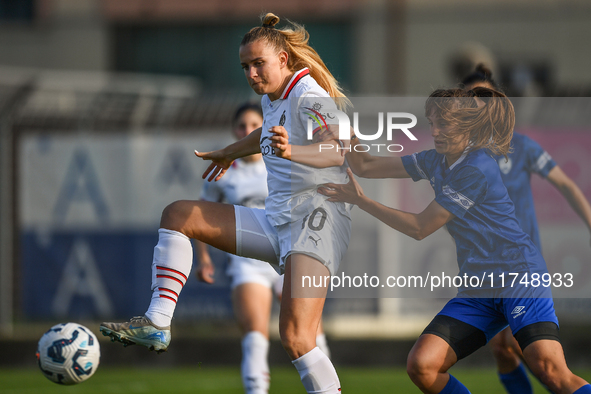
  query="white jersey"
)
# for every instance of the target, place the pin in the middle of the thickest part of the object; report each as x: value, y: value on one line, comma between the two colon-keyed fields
x: 292, y: 186
x: 243, y: 184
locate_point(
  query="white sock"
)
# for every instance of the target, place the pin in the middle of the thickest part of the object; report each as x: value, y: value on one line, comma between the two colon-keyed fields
x: 171, y: 266
x: 321, y: 343
x: 254, y: 367
x: 317, y: 373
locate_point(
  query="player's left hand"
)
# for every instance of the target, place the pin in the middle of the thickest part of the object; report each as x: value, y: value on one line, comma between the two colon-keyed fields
x: 348, y: 192
x: 205, y: 272
x: 280, y: 142
x: 219, y: 164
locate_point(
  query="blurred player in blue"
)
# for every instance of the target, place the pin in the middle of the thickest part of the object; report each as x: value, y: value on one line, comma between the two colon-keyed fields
x: 527, y: 157
x: 472, y: 202
x: 253, y: 281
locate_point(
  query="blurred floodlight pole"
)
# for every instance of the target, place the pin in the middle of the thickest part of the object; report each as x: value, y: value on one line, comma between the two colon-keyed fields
x: 6, y: 226
x: 7, y: 204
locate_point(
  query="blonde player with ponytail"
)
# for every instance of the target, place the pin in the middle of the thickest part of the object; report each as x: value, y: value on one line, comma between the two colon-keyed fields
x: 299, y: 230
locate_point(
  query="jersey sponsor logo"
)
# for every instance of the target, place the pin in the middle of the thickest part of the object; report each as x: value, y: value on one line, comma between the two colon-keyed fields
x: 267, y: 150
x: 505, y: 165
x: 457, y: 197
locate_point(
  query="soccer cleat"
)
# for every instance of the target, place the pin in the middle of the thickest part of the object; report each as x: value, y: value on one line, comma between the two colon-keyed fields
x: 138, y: 330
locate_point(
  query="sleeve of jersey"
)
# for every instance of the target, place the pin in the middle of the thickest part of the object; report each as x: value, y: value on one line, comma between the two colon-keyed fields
x: 539, y: 161
x: 211, y: 192
x: 319, y: 110
x: 466, y: 190
x: 417, y: 165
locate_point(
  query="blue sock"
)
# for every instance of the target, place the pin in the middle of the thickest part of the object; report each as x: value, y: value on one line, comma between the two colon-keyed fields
x: 586, y: 389
x: 516, y: 382
x: 454, y: 386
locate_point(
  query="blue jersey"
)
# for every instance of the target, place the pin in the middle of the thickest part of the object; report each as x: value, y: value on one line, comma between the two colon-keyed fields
x: 527, y: 157
x: 487, y: 235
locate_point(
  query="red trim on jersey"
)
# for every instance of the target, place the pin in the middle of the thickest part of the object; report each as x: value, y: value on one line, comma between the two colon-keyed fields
x: 294, y: 82
x: 172, y: 270
x: 170, y: 277
x: 170, y: 298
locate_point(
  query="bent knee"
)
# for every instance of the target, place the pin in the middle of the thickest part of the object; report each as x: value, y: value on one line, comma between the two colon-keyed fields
x: 295, y: 343
x: 176, y: 215
x: 501, y: 350
x: 550, y: 378
x: 421, y: 371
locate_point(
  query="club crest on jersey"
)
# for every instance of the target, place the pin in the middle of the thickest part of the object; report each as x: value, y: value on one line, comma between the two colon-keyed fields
x: 282, y: 119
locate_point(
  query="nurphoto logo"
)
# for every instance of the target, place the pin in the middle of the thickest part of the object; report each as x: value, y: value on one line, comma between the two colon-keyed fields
x: 317, y: 121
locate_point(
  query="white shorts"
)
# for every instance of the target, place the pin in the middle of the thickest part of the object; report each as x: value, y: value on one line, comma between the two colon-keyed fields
x: 323, y: 234
x: 244, y: 270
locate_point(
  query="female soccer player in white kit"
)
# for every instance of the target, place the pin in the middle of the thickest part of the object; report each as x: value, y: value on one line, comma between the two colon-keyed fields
x: 298, y: 230
x: 252, y: 281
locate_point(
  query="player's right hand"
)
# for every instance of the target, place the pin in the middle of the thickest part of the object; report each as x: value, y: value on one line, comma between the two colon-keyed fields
x: 331, y: 133
x: 219, y: 164
x: 205, y: 272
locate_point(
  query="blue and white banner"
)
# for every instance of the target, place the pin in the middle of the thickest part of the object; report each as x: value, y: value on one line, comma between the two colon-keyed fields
x: 89, y: 212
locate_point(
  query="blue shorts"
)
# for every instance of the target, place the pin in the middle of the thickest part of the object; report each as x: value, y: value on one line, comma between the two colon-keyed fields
x: 491, y: 315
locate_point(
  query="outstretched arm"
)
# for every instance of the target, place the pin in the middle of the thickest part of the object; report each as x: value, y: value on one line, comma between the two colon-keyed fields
x: 417, y: 226
x: 362, y: 163
x: 571, y: 193
x: 319, y: 155
x: 367, y: 166
x: 222, y: 159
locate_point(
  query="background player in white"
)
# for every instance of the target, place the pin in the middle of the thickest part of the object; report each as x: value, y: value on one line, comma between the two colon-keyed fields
x: 299, y: 229
x: 253, y: 281
x: 526, y: 158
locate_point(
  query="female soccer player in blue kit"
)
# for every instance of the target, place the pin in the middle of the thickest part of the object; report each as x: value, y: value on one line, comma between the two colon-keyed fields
x: 471, y: 200
x: 279, y: 65
x: 527, y: 157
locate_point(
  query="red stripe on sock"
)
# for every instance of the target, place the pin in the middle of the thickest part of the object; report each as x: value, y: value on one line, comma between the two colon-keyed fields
x: 170, y: 298
x: 170, y: 277
x: 170, y: 291
x: 172, y: 270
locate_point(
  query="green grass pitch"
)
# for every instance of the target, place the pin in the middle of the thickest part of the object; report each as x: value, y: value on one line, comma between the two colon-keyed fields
x: 226, y: 380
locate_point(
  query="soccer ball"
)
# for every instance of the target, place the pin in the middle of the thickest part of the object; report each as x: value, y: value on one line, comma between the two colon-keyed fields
x: 68, y: 353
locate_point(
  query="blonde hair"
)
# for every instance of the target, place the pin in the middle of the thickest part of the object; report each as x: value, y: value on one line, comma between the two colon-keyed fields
x: 488, y: 126
x: 294, y: 41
